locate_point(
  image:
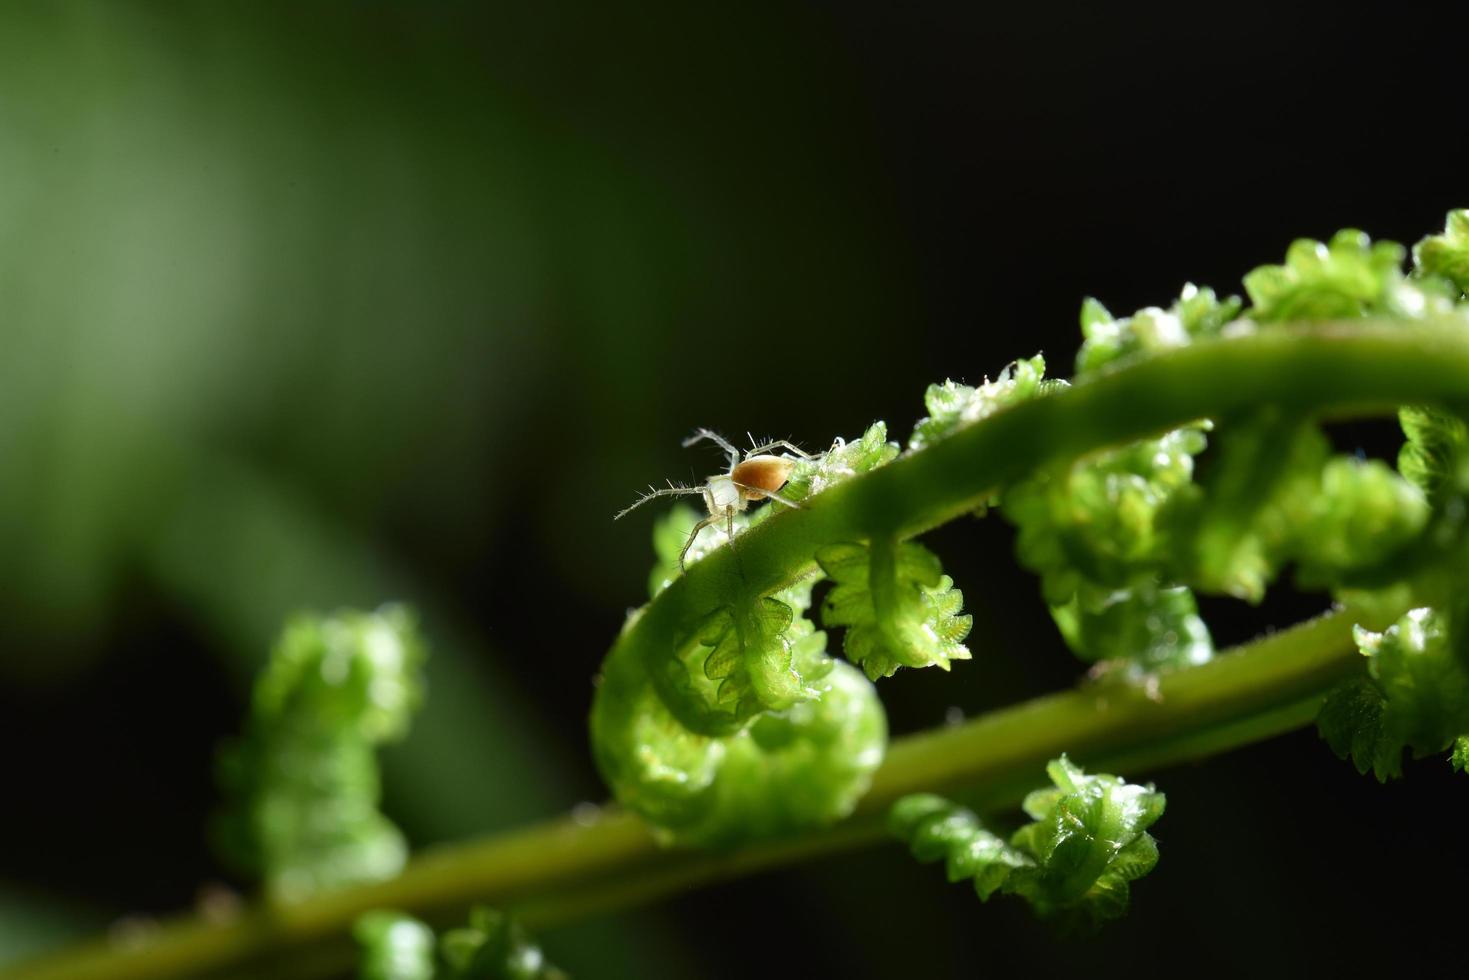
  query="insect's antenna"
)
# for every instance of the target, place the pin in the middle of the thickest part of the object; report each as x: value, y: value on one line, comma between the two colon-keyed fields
x: 670, y: 491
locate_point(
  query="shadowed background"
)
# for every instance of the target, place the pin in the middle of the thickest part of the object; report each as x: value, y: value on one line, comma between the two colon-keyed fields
x: 315, y: 306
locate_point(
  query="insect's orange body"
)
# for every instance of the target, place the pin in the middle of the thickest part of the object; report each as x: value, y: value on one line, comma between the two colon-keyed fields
x: 760, y: 476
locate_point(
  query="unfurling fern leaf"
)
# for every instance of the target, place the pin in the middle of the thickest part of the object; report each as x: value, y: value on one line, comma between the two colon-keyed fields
x: 302, y: 786
x: 1122, y: 537
x: 1095, y: 531
x: 494, y: 946
x: 735, y: 664
x: 1196, y: 313
x: 1459, y: 758
x: 952, y: 406
x: 773, y: 772
x: 1087, y: 841
x: 1416, y: 696
x: 1446, y: 255
x: 727, y: 720
x: 740, y: 660
x: 744, y: 728
x: 393, y: 946
x: 1435, y: 455
x: 1348, y: 277
x: 789, y: 770
x: 899, y: 608
x: 842, y: 462
x: 1093, y: 528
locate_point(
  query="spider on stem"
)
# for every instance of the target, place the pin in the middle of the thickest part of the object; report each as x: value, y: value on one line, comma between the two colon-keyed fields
x: 753, y: 475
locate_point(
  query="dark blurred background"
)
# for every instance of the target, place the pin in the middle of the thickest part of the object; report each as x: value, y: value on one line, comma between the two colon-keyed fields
x: 313, y: 305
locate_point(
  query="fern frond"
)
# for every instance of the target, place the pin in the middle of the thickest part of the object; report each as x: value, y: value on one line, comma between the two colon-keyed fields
x: 840, y: 463
x: 494, y: 946
x: 393, y: 946
x: 1350, y: 276
x: 1096, y: 531
x: 899, y: 609
x: 1087, y: 841
x: 1195, y: 314
x: 1446, y: 255
x: 788, y: 770
x: 302, y: 786
x: 1416, y: 696
x: 1435, y: 455
x: 951, y: 406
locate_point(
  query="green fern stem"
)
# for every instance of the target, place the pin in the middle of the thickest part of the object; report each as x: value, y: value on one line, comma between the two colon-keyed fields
x: 1348, y: 369
x: 578, y: 866
x: 567, y: 869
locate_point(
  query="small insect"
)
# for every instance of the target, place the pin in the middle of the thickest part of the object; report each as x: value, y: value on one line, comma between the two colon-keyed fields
x: 753, y: 475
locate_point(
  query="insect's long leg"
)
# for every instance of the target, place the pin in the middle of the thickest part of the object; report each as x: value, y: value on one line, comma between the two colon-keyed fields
x: 779, y: 444
x: 769, y: 495
x: 694, y: 536
x: 717, y: 439
x: 653, y: 494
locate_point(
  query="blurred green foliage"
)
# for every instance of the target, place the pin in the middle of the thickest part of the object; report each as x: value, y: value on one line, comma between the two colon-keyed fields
x: 317, y: 306
x: 302, y: 785
x: 236, y: 313
x: 494, y: 946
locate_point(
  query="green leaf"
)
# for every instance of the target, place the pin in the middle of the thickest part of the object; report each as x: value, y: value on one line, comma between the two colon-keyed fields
x: 899, y: 609
x: 1231, y: 532
x: 494, y: 946
x: 744, y: 770
x: 938, y: 830
x: 1196, y: 313
x: 1435, y: 457
x: 1074, y: 862
x: 1351, y: 722
x: 302, y: 786
x: 1416, y: 696
x: 739, y: 662
x: 1459, y: 758
x: 1361, y: 515
x: 789, y: 770
x: 393, y: 946
x: 1095, y: 532
x: 1147, y: 627
x: 1446, y: 255
x: 952, y: 406
x: 842, y: 461
x: 1349, y: 277
x: 1098, y: 518
x: 1273, y: 495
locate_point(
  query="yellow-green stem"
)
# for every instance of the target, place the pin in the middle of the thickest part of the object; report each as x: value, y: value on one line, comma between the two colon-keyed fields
x: 586, y: 864
x: 570, y: 868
